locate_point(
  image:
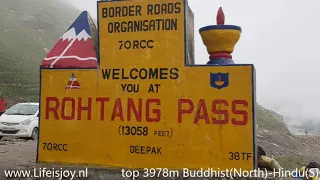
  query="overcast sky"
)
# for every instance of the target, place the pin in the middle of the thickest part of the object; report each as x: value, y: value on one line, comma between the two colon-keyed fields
x: 282, y: 40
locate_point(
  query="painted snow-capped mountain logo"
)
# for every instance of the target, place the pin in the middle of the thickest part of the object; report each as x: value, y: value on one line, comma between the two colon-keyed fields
x: 73, y: 83
x: 75, y: 49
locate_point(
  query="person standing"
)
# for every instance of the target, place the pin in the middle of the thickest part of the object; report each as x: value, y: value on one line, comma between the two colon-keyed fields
x: 3, y: 105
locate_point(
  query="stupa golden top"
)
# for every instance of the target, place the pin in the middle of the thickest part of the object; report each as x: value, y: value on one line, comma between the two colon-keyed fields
x: 220, y: 40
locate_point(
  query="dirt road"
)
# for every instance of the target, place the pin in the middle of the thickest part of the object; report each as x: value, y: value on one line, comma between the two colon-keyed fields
x: 21, y: 154
x: 17, y: 154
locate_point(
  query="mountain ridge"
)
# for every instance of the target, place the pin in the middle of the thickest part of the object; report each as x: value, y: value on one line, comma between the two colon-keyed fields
x: 46, y: 29
x: 32, y: 27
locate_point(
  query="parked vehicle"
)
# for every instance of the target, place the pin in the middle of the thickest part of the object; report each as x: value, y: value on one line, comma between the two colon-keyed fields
x: 21, y: 120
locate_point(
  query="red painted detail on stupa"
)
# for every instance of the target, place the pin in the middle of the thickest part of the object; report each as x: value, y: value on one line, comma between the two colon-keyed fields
x: 220, y: 17
x: 216, y: 55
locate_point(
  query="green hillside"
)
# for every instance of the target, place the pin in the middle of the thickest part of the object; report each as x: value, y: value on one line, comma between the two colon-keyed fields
x: 29, y: 29
x: 270, y: 121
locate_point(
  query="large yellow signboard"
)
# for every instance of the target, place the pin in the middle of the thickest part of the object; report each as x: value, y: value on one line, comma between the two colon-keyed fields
x: 145, y: 108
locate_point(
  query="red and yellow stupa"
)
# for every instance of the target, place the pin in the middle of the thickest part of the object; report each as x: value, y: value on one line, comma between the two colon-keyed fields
x: 220, y: 40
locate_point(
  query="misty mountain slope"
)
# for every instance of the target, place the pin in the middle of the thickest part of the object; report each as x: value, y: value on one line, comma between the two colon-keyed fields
x: 268, y: 120
x: 289, y: 150
x: 29, y: 29
x: 312, y: 125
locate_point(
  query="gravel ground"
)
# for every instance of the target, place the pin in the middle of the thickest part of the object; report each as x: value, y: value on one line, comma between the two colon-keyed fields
x: 291, y: 151
x: 17, y: 154
x: 21, y: 154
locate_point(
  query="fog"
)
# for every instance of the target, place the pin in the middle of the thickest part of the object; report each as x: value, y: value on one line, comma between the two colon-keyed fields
x: 281, y: 38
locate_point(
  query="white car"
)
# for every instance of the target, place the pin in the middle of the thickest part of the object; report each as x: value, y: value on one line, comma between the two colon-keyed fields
x: 21, y: 120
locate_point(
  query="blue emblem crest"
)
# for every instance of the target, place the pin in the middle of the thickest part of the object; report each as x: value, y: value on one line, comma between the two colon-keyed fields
x: 219, y: 80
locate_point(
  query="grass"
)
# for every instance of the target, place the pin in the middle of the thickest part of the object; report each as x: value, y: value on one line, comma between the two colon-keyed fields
x: 291, y: 162
x: 23, y: 43
x: 31, y: 26
x: 28, y: 28
x: 269, y: 120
